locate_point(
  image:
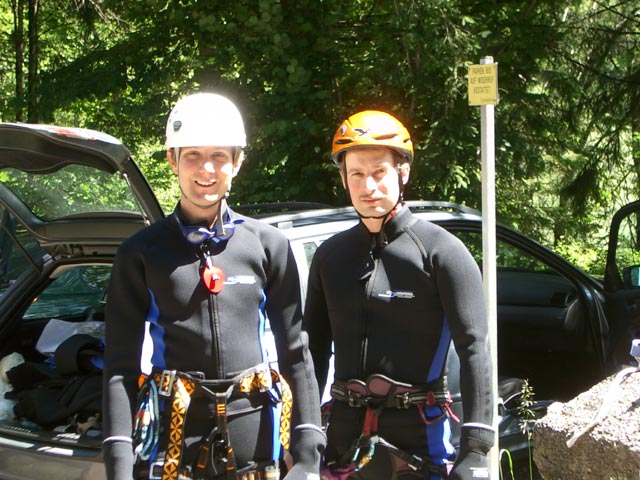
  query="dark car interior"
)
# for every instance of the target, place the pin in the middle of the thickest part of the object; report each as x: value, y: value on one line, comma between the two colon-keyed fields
x: 543, y: 323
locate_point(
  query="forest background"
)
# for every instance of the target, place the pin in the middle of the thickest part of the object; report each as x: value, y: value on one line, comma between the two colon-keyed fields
x: 567, y: 124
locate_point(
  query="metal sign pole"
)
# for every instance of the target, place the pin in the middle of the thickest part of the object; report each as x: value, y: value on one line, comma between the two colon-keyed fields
x: 483, y: 91
x: 487, y: 133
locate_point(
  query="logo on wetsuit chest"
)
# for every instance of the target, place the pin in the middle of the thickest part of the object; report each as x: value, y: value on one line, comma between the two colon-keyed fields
x: 240, y: 279
x: 403, y: 294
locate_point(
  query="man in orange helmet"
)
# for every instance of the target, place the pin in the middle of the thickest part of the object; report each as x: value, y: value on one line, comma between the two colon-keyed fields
x: 391, y: 293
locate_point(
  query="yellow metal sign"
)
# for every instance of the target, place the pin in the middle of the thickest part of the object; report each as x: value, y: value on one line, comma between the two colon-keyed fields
x: 483, y: 84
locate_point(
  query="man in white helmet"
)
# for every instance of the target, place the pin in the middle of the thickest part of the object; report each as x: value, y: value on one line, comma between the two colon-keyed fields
x: 188, y: 388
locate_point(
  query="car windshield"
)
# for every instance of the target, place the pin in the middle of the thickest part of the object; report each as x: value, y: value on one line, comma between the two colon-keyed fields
x: 72, y: 190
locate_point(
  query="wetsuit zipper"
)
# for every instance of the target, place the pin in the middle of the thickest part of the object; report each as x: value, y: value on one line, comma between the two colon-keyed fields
x: 365, y: 321
x: 214, y: 323
x: 369, y: 284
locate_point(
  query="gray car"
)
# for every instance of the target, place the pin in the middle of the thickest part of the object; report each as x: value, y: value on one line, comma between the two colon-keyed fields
x: 69, y: 197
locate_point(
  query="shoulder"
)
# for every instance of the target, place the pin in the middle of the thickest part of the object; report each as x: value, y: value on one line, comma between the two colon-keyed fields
x: 153, y: 234
x: 266, y: 233
x: 435, y: 241
x: 343, y: 244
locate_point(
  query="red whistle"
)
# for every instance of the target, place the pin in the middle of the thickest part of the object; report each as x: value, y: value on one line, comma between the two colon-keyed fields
x: 213, y: 278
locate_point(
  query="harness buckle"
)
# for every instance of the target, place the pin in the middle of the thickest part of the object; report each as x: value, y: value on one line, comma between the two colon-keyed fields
x: 354, y: 399
x: 167, y: 379
x: 155, y: 470
x: 403, y: 400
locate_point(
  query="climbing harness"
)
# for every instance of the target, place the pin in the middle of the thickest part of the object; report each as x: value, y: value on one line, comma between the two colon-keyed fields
x: 375, y: 394
x: 215, y: 456
x: 380, y: 392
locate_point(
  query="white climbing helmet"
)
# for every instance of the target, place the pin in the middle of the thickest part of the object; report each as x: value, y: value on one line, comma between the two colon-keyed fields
x: 205, y: 119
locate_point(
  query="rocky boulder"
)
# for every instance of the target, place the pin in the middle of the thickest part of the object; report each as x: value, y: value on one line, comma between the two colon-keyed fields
x: 603, y: 426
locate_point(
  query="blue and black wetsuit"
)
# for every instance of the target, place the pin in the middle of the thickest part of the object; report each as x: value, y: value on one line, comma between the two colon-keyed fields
x: 391, y: 302
x: 161, y: 315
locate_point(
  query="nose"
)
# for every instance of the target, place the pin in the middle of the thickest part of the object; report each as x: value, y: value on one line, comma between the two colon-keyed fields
x: 370, y: 183
x: 208, y: 166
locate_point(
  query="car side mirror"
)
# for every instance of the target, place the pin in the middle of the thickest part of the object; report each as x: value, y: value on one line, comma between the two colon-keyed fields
x: 631, y: 276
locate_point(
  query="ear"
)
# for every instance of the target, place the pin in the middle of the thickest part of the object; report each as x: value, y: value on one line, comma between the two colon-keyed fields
x: 238, y: 163
x: 343, y: 177
x: 405, y: 169
x: 171, y: 157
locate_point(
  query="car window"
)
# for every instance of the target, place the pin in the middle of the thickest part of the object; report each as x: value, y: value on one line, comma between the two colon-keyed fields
x: 507, y: 255
x: 76, y: 290
x: 19, y: 252
x: 71, y: 190
x: 310, y: 250
x: 627, y: 257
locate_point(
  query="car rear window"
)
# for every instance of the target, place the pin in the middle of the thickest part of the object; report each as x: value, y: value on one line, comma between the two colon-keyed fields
x: 75, y: 292
x: 71, y: 190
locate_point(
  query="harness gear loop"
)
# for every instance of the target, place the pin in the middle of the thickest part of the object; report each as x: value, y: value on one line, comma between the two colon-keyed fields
x: 146, y: 427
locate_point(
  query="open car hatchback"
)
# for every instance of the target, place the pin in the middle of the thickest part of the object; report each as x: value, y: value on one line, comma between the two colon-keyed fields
x: 68, y: 198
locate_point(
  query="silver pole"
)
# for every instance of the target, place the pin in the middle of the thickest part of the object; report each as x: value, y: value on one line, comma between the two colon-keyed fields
x: 487, y: 133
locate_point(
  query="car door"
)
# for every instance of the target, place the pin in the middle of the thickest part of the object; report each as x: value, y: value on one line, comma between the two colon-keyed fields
x: 548, y: 314
x: 622, y: 283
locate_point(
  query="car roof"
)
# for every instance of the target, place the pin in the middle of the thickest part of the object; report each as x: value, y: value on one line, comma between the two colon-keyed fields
x: 433, y: 210
x: 301, y: 220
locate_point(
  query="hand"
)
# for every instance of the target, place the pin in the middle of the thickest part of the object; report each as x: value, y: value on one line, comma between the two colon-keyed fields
x: 118, y: 460
x: 475, y: 442
x: 307, y: 445
x: 470, y: 465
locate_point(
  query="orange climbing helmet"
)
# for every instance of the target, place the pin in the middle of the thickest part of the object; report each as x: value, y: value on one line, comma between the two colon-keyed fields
x: 371, y: 128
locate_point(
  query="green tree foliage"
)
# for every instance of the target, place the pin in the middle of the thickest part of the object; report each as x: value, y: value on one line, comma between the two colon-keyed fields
x: 566, y: 125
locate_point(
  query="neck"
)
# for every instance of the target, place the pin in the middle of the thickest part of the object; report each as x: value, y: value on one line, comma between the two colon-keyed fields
x: 195, y: 215
x: 374, y: 225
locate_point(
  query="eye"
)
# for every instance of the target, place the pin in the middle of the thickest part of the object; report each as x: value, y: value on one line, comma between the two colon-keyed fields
x: 191, y: 154
x: 221, y: 156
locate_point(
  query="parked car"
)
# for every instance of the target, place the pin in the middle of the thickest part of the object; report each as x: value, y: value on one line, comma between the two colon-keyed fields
x: 69, y: 197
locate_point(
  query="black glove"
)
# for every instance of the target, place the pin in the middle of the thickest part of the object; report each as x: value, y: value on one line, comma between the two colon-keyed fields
x: 472, y: 463
x: 307, y: 444
x: 118, y: 460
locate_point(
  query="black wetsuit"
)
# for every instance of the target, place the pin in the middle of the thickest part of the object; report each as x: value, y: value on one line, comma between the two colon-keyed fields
x: 156, y: 287
x: 391, y: 303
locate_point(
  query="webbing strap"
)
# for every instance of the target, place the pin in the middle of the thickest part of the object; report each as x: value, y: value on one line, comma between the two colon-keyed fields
x: 285, y: 416
x: 262, y: 381
x: 182, y: 390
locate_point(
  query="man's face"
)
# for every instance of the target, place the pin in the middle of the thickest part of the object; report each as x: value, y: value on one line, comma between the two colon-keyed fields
x: 372, y: 179
x: 204, y: 176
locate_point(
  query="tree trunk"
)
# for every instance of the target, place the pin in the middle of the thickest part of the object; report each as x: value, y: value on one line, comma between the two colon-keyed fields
x: 635, y: 154
x: 32, y: 86
x: 18, y: 45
